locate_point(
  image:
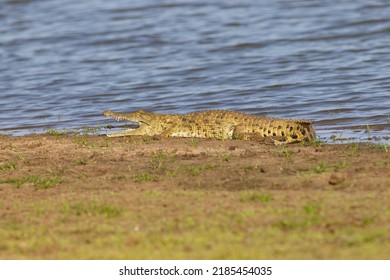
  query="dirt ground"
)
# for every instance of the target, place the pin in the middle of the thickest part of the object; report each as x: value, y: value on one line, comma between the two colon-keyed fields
x: 93, y: 197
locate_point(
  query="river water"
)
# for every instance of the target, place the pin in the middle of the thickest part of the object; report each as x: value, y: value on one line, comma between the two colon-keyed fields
x: 64, y: 62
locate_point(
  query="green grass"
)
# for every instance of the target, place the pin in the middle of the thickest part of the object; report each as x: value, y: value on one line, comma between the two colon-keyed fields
x: 226, y: 157
x: 368, y: 130
x: 161, y: 159
x: 57, y: 132
x: 83, y: 141
x: 144, y: 177
x: 320, y: 168
x: 196, y: 224
x: 283, y: 151
x: 310, y: 215
x: 7, y: 166
x: 194, y: 143
x: 80, y: 161
x: 318, y: 142
x: 383, y: 147
x: 91, y: 209
x: 311, y: 209
x: 323, y: 167
x: 236, y: 210
x: 352, y: 150
x: 38, y: 182
x: 252, y: 196
x: 340, y: 165
x: 195, y: 170
x: 287, y: 153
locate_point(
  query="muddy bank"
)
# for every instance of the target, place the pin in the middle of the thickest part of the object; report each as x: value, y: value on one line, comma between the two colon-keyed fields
x: 83, y: 197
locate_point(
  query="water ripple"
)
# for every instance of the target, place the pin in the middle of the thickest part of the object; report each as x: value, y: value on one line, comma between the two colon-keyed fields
x: 328, y: 61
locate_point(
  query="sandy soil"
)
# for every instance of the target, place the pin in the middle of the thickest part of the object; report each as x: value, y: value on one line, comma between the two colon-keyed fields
x: 92, y: 197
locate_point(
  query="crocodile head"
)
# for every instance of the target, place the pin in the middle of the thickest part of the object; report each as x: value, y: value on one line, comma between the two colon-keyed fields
x: 143, y: 118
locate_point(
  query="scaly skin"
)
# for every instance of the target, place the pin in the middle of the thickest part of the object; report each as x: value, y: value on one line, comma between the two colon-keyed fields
x: 218, y: 124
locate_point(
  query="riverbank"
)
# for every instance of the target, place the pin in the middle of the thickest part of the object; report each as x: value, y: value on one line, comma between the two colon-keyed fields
x: 92, y: 197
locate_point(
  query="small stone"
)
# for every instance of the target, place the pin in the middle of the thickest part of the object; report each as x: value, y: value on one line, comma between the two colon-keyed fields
x: 336, y: 178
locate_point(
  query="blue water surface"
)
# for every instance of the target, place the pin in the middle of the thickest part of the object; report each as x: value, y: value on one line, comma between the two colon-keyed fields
x: 64, y: 62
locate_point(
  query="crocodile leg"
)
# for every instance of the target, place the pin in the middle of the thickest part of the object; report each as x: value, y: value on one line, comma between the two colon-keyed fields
x: 239, y: 133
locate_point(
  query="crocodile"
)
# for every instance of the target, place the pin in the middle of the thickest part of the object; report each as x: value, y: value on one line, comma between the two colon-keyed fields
x: 215, y: 124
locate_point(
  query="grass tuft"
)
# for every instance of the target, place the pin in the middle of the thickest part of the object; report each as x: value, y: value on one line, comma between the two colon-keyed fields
x: 195, y: 170
x: 320, y: 168
x: 7, y: 166
x: 383, y: 147
x: 144, y: 177
x: 194, y: 143
x: 80, y: 161
x: 57, y: 132
x: 38, y: 182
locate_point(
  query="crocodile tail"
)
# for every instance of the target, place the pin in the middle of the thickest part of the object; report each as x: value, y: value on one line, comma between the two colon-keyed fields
x: 292, y: 130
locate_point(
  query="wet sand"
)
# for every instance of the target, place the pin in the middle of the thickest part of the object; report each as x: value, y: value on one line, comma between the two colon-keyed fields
x: 92, y: 197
